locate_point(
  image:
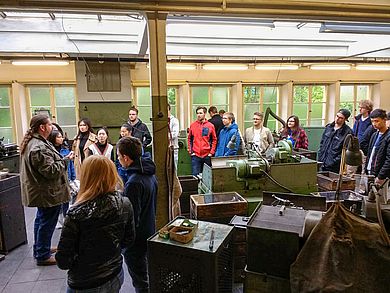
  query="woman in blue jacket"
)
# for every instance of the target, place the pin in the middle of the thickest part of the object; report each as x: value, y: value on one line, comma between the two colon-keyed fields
x: 229, y: 137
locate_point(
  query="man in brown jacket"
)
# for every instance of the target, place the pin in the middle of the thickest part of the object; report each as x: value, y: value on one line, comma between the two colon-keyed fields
x: 44, y: 183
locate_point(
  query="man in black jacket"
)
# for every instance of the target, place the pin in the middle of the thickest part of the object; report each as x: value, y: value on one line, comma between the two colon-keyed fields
x: 216, y: 120
x: 138, y: 128
x: 379, y: 148
x: 332, y: 141
x: 141, y: 189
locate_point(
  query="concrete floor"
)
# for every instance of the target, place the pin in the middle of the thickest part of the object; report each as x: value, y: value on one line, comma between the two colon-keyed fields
x: 20, y: 274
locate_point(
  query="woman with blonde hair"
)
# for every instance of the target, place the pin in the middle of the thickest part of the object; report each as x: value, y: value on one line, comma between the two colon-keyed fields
x: 96, y: 227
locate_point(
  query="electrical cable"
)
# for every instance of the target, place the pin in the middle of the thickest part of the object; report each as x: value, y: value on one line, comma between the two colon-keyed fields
x: 277, y: 183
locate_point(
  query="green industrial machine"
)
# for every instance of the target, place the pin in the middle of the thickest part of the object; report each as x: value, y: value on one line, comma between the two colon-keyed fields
x: 250, y: 175
x: 184, y: 164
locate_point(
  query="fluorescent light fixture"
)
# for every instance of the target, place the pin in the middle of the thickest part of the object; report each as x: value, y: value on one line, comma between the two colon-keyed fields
x: 330, y: 67
x: 276, y: 67
x: 355, y: 27
x: 372, y: 67
x: 40, y: 62
x: 225, y: 67
x: 179, y: 66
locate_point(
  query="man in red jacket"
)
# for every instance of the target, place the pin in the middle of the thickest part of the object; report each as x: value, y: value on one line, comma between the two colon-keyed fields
x: 202, y: 141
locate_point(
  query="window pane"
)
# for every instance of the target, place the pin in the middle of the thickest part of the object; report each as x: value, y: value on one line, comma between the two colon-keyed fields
x: 346, y: 93
x: 270, y: 95
x: 362, y: 92
x: 271, y: 124
x: 301, y: 94
x: 200, y: 95
x: 251, y: 94
x: 40, y: 96
x: 249, y: 109
x: 5, y: 117
x: 173, y: 111
x: 318, y: 94
x: 222, y: 107
x: 316, y: 122
x: 220, y: 96
x: 302, y: 122
x: 171, y: 96
x: 143, y: 96
x: 347, y: 105
x: 272, y: 106
x: 4, y: 97
x: 70, y: 131
x: 66, y: 116
x: 144, y: 114
x: 301, y: 111
x: 316, y: 111
x: 248, y: 124
x: 6, y: 132
x: 65, y: 96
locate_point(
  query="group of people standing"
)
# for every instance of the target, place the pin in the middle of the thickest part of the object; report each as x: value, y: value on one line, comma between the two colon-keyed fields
x: 371, y: 127
x: 110, y: 217
x: 220, y: 136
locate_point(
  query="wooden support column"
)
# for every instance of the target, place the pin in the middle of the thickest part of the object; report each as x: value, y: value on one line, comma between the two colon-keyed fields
x: 158, y: 90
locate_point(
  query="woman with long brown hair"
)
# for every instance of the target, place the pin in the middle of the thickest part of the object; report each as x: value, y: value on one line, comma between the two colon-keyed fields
x: 96, y: 227
x: 294, y: 133
x: 84, y: 138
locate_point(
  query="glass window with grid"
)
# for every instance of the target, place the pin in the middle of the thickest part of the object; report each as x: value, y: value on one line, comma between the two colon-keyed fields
x: 351, y: 95
x: 144, y: 103
x: 59, y: 102
x: 258, y: 98
x: 6, y: 129
x: 207, y: 96
x: 309, y: 104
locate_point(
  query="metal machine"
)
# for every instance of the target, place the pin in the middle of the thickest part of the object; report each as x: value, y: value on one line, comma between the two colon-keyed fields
x: 250, y: 175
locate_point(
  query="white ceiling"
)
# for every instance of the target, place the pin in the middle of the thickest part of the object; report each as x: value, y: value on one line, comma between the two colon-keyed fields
x: 188, y: 37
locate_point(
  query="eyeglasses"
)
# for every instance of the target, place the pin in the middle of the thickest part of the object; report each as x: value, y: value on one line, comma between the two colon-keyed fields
x: 256, y: 119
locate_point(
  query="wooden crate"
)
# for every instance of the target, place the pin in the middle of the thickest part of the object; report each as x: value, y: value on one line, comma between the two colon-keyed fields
x: 328, y: 181
x: 218, y: 207
x: 262, y: 283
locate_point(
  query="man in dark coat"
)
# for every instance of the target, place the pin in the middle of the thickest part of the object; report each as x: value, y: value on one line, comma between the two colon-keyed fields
x: 215, y: 119
x: 138, y: 128
x: 141, y: 189
x: 332, y: 141
x: 378, y: 155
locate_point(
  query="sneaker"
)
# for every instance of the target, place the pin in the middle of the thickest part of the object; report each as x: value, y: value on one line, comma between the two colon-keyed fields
x: 47, y: 262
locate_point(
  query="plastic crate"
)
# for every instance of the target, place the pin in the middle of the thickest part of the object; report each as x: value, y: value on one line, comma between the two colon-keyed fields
x: 192, y: 267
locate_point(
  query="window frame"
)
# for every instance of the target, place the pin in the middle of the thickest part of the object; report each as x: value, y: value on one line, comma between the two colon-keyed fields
x: 324, y: 103
x: 210, y: 99
x: 11, y: 110
x: 261, y: 108
x: 53, y: 106
x: 135, y: 102
x: 355, y: 100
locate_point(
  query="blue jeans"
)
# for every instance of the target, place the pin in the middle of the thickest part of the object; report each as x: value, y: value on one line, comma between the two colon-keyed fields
x: 112, y: 286
x: 44, y: 225
x: 137, y: 265
x: 197, y: 164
